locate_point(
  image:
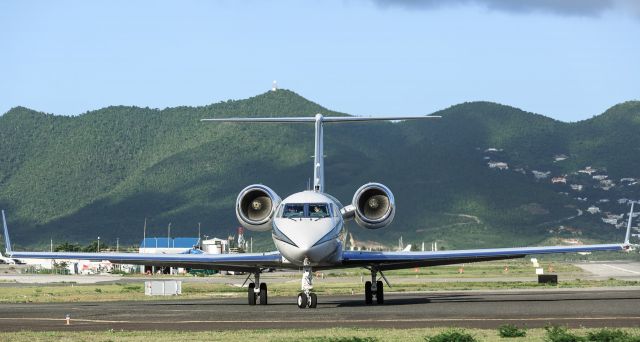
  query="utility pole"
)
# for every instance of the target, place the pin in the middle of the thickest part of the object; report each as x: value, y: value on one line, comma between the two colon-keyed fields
x: 98, y: 245
x: 117, y: 244
x: 51, y: 244
x: 168, y: 234
x: 144, y: 234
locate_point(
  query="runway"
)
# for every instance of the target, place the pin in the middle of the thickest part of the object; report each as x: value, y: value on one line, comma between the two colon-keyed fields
x: 612, y: 307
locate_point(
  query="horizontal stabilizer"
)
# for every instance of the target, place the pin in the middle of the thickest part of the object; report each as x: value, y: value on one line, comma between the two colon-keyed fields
x: 310, y: 119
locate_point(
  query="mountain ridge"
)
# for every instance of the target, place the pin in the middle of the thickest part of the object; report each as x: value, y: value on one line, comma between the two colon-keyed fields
x: 104, y: 171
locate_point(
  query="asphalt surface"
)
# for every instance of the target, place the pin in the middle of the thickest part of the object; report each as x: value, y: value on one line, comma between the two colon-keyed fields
x: 574, y: 308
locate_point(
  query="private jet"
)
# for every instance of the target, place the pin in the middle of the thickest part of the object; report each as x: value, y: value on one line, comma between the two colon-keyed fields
x: 307, y: 229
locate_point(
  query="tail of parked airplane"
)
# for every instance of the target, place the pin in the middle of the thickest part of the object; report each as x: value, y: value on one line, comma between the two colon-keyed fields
x: 628, y: 235
x: 7, y: 241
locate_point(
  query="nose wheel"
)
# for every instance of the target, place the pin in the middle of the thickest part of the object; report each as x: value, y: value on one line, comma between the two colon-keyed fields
x: 307, y: 301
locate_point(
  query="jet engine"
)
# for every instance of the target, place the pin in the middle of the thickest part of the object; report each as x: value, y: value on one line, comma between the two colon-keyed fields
x: 374, y: 206
x: 255, y: 207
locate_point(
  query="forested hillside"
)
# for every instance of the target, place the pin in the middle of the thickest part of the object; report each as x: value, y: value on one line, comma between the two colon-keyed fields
x: 103, y: 172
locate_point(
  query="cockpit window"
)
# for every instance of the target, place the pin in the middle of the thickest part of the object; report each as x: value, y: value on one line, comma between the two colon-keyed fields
x: 309, y: 210
x: 293, y: 211
x: 317, y: 210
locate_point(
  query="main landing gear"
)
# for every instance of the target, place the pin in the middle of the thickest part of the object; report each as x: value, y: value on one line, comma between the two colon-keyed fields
x: 257, y: 295
x: 374, y: 287
x: 306, y: 298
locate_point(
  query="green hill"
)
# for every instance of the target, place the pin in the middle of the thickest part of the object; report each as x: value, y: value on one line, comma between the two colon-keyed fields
x: 103, y: 172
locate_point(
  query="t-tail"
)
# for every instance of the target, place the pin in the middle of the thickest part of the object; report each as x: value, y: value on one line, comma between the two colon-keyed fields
x: 319, y: 120
x: 627, y: 236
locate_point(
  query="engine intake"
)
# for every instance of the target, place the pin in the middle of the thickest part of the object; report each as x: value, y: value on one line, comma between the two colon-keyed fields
x: 374, y: 206
x: 255, y: 207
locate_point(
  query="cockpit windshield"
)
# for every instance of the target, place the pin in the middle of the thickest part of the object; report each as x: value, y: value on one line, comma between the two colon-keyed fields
x: 293, y: 211
x: 309, y: 210
x: 318, y: 210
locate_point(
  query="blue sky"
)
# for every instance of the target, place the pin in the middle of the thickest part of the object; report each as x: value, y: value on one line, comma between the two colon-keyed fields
x: 567, y: 59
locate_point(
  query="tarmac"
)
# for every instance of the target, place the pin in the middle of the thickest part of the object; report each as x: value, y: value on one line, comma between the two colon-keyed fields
x: 604, y: 307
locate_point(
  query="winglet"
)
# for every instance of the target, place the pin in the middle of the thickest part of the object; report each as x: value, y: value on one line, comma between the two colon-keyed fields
x: 7, y: 241
x: 628, y: 235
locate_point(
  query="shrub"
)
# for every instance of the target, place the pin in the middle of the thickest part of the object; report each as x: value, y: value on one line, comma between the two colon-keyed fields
x: 344, y: 339
x: 560, y: 334
x: 509, y: 330
x: 98, y: 290
x: 611, y: 335
x: 452, y: 336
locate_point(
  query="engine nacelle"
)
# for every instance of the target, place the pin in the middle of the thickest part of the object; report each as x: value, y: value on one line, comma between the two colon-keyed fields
x: 255, y: 207
x: 374, y: 206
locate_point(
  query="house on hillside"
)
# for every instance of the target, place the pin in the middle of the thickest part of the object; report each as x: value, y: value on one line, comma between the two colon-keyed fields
x: 559, y: 157
x: 555, y: 180
x: 593, y: 209
x: 498, y: 165
x: 577, y: 187
x: 540, y: 175
x: 588, y: 170
x: 600, y: 177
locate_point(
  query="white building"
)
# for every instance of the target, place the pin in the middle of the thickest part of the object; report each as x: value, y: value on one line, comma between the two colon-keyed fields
x: 593, y: 209
x: 498, y: 165
x: 540, y: 174
x: 163, y: 245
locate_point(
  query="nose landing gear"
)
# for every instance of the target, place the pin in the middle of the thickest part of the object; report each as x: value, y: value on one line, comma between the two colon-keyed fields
x: 306, y: 298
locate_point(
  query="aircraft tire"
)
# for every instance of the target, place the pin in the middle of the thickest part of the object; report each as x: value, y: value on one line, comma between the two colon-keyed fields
x: 263, y: 294
x: 314, y: 301
x: 368, y: 295
x: 380, y: 293
x: 252, y: 294
x: 303, y: 301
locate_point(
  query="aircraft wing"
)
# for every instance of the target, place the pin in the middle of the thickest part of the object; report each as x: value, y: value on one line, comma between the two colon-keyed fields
x: 243, y: 262
x: 399, y: 260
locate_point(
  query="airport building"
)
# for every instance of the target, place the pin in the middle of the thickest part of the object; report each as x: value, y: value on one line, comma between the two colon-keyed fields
x: 164, y: 245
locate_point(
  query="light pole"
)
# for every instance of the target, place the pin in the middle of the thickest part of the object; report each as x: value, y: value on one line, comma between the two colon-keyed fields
x: 98, y: 245
x: 168, y: 234
x: 117, y: 244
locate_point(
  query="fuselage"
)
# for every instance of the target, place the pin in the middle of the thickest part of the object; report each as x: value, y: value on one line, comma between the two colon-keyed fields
x: 309, y: 225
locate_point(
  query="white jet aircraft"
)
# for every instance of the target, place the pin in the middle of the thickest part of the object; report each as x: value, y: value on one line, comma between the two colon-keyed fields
x: 307, y: 230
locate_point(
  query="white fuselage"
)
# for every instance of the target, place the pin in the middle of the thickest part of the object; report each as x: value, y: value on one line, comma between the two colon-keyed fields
x: 308, y: 225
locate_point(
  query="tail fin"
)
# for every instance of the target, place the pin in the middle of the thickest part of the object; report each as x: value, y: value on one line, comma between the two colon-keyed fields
x: 628, y: 235
x: 7, y: 241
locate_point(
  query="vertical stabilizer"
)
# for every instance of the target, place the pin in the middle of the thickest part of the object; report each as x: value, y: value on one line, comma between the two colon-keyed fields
x: 628, y: 235
x: 7, y: 241
x: 318, y: 156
